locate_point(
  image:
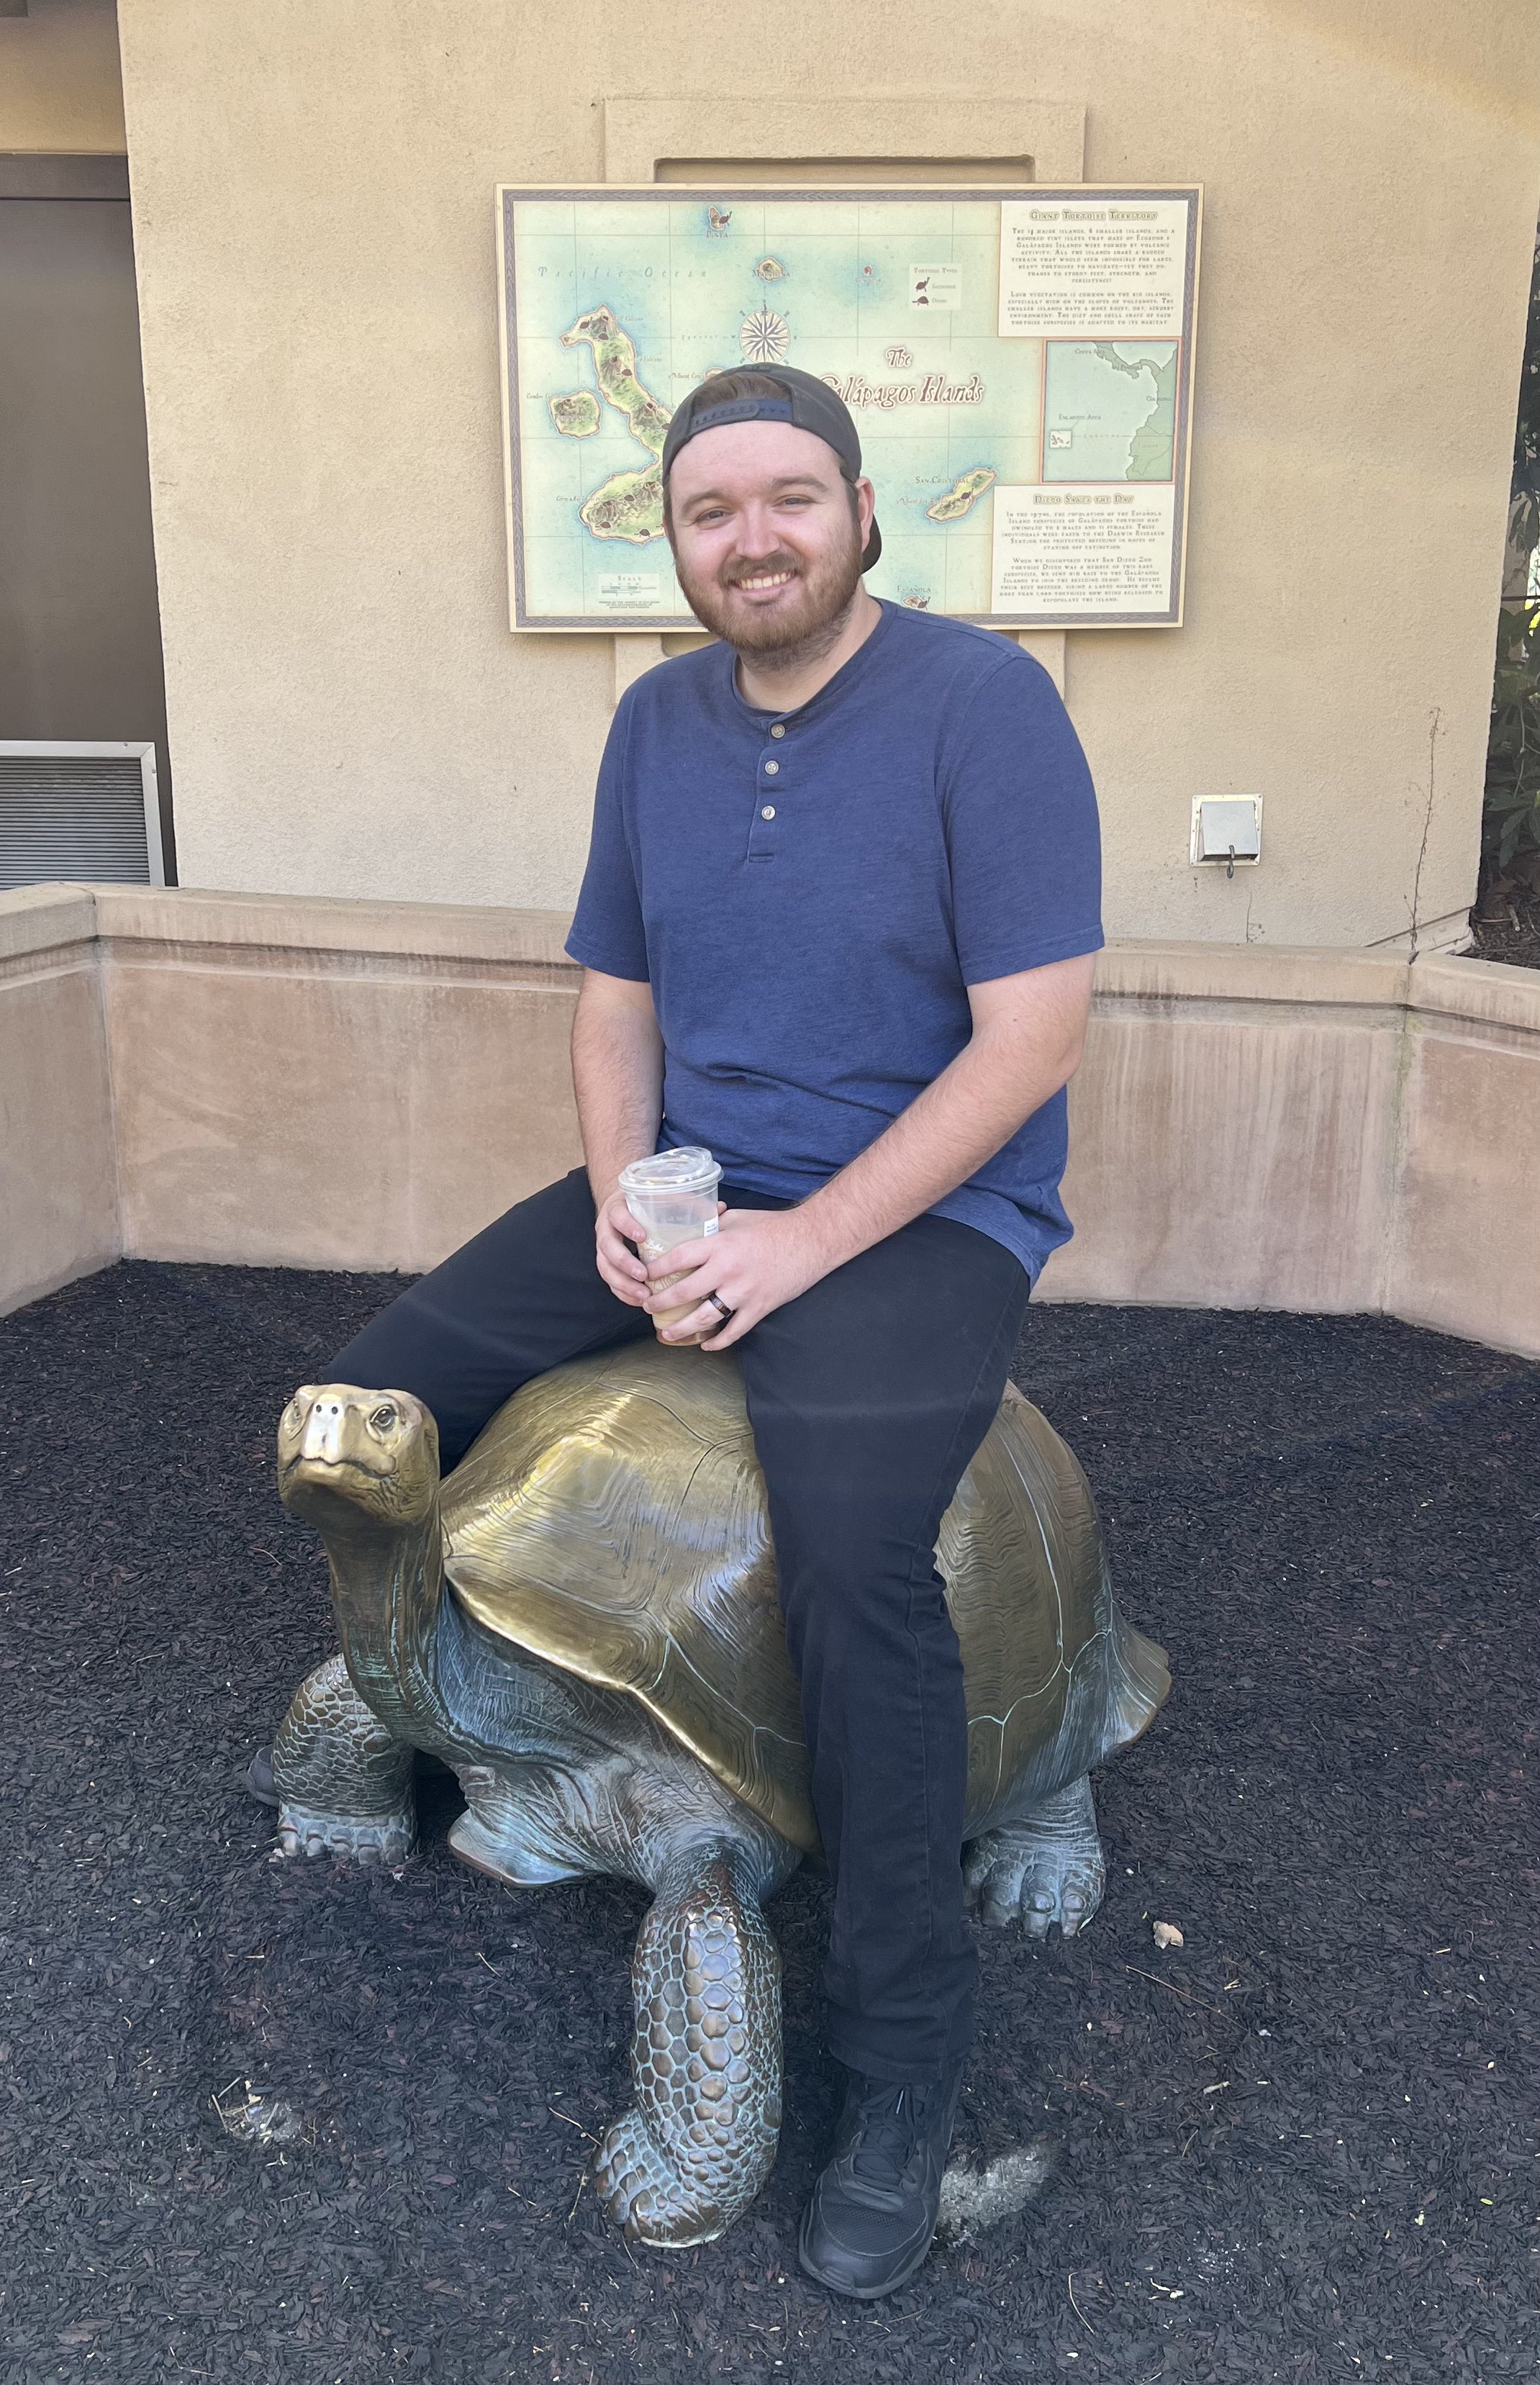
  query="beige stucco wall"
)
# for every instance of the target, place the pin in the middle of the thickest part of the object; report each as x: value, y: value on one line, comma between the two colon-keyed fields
x: 330, y: 1084
x: 1465, y: 1249
x: 349, y: 714
x: 1233, y: 1129
x: 60, y: 84
x: 252, y: 1079
x: 59, y: 1181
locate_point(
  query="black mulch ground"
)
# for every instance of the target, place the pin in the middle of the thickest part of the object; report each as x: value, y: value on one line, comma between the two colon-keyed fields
x: 1300, y: 2148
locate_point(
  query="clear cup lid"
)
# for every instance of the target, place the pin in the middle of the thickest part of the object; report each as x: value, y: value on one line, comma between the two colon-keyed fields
x: 692, y: 1170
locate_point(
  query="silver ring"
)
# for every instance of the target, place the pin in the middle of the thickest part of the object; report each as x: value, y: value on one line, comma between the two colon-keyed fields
x: 726, y: 1314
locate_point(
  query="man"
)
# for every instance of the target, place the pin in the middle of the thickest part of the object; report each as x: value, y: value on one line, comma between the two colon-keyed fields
x: 837, y: 925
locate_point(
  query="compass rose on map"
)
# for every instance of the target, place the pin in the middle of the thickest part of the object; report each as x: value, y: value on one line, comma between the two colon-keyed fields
x: 764, y: 337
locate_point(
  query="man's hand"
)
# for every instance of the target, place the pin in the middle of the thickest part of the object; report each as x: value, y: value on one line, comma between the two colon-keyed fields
x: 616, y: 1234
x: 757, y: 1260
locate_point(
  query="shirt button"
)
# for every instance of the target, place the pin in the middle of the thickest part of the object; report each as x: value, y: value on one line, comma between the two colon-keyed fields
x: 769, y: 812
x: 770, y: 769
x: 778, y: 729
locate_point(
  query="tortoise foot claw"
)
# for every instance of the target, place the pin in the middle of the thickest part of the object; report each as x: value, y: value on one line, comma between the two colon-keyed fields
x: 1046, y: 1868
x: 387, y: 1840
x: 643, y: 2193
x: 342, y: 1784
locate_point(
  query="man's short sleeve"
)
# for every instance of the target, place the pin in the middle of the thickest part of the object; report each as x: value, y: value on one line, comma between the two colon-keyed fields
x: 607, y: 932
x: 1022, y: 833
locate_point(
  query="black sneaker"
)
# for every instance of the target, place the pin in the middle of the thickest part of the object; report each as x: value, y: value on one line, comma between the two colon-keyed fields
x: 872, y: 2213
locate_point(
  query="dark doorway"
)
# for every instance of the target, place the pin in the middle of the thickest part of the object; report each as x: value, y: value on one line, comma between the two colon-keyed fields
x: 80, y: 617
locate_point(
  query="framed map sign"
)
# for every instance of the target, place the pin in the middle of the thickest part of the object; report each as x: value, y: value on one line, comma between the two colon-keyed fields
x: 1019, y: 363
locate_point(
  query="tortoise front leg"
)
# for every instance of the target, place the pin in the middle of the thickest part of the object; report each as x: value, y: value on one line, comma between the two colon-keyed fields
x: 697, y: 2145
x: 345, y: 1785
x: 1044, y: 1866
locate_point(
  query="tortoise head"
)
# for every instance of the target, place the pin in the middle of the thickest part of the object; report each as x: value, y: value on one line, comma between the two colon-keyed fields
x: 346, y: 1456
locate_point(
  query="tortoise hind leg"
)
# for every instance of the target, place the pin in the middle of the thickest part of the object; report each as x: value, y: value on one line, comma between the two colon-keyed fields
x: 697, y: 2144
x: 344, y: 1784
x: 1044, y: 1867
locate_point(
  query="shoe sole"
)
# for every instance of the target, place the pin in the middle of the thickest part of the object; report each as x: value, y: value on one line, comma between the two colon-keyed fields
x: 860, y: 2293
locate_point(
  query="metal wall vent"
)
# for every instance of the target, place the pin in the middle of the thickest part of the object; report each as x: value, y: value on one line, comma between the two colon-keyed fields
x: 79, y: 811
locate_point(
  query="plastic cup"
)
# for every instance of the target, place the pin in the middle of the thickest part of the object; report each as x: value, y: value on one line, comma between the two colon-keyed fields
x: 673, y: 1197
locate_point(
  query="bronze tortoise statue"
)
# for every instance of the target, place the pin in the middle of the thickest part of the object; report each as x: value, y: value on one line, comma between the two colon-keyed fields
x: 609, y: 1678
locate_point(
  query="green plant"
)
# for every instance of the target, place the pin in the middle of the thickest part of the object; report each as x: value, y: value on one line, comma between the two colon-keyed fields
x: 1510, y: 821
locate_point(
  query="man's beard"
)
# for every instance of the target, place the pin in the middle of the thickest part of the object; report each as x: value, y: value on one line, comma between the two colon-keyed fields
x: 795, y: 633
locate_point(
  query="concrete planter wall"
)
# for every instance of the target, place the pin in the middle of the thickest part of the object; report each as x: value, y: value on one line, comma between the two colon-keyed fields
x: 281, y: 1082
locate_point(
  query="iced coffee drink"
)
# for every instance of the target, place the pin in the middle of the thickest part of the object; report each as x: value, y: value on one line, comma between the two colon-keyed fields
x: 672, y: 1198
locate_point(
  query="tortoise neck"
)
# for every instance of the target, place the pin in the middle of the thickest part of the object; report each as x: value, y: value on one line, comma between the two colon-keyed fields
x: 387, y: 1586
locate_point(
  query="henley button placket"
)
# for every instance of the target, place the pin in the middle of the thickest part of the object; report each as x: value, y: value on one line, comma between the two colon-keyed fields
x: 761, y: 837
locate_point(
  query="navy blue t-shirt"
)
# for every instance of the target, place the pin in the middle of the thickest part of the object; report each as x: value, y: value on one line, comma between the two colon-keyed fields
x: 810, y: 893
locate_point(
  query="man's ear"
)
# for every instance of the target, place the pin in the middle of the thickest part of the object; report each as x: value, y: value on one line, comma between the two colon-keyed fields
x: 866, y: 507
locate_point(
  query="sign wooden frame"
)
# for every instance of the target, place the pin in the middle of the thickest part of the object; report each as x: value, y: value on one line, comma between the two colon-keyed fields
x: 1078, y: 196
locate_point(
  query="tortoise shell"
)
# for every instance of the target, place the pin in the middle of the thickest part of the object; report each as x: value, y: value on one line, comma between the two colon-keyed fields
x: 611, y: 1521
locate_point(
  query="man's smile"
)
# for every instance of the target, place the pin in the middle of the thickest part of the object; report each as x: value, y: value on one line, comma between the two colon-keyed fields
x: 763, y: 582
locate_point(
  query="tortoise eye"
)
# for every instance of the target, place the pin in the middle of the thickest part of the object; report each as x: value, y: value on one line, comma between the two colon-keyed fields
x: 383, y: 1418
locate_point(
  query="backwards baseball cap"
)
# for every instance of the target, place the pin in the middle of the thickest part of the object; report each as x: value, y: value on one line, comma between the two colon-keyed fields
x: 808, y: 403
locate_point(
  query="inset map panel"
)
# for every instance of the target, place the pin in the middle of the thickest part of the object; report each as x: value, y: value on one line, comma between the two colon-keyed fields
x: 1109, y: 409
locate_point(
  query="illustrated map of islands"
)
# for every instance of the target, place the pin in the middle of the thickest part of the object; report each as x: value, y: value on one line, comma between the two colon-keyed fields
x: 619, y: 307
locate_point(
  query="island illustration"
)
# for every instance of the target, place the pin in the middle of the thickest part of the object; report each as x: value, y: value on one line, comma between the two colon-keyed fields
x: 628, y: 505
x: 962, y: 495
x: 1150, y: 449
x: 576, y: 415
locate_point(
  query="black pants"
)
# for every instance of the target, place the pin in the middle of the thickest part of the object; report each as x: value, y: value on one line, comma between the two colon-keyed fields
x: 868, y: 1397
